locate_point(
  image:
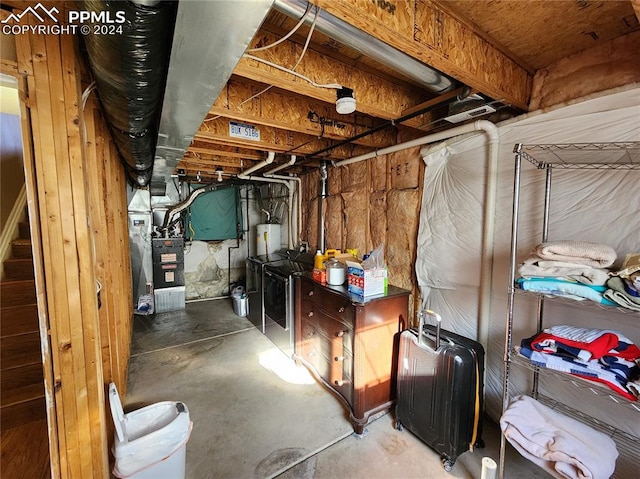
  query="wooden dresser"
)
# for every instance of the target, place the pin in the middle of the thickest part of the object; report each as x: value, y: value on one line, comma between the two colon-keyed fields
x: 350, y: 343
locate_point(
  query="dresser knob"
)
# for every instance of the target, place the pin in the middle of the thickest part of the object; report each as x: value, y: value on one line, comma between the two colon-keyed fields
x: 341, y: 309
x: 310, y: 293
x: 310, y: 313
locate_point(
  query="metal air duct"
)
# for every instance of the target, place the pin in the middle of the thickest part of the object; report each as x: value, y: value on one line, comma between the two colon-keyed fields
x: 209, y: 40
x: 369, y: 46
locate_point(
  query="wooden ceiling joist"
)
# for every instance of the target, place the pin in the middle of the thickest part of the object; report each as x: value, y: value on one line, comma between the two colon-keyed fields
x: 190, y: 168
x: 426, y: 32
x: 283, y: 110
x: 207, y: 161
x: 201, y: 147
x: 274, y: 139
x: 375, y: 96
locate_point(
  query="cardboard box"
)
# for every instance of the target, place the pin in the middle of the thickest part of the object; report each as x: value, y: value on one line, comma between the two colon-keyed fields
x: 366, y: 282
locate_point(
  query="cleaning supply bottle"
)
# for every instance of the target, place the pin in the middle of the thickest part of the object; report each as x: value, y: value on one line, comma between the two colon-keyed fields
x: 319, y: 271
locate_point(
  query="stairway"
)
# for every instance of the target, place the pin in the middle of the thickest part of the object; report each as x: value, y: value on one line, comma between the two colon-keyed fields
x: 21, y: 376
x: 23, y: 424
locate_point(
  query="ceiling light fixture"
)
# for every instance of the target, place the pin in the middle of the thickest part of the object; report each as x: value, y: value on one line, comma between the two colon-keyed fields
x: 345, y: 102
x: 219, y: 172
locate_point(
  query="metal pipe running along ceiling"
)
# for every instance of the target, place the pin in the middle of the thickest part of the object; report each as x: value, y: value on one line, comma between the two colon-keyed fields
x: 368, y: 45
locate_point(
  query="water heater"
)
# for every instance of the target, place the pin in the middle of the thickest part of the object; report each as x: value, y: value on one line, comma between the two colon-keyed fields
x: 267, y: 239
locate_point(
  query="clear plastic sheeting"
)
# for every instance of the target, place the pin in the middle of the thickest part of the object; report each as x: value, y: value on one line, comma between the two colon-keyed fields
x: 130, y: 69
x: 586, y: 205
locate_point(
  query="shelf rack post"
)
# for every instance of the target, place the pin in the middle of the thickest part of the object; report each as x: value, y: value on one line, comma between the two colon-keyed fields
x: 545, y: 237
x: 512, y: 277
x: 611, y: 156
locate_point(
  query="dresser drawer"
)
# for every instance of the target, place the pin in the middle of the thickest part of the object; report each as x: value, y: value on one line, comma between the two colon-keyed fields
x: 329, y: 356
x: 327, y: 325
x: 350, y: 345
x: 332, y: 304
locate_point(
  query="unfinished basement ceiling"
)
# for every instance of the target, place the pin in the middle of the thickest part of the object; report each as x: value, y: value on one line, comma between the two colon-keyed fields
x: 539, y: 33
x: 493, y: 47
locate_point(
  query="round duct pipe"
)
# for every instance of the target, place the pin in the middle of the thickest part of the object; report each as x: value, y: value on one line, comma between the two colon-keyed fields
x: 369, y: 46
x: 130, y: 71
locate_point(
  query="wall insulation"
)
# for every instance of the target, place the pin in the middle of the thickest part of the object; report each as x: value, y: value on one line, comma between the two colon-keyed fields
x: 371, y: 203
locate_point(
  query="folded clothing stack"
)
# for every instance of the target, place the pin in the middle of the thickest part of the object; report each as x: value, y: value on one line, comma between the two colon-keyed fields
x: 562, y: 446
x: 623, y: 287
x: 598, y: 355
x: 574, y: 269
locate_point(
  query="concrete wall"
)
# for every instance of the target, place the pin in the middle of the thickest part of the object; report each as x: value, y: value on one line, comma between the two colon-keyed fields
x: 211, y: 267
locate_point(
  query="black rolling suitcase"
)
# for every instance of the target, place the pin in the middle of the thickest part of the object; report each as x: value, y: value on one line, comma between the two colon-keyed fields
x: 440, y: 388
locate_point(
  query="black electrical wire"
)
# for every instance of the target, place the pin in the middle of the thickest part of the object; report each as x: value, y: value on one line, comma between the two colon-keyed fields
x: 319, y: 137
x: 371, y: 131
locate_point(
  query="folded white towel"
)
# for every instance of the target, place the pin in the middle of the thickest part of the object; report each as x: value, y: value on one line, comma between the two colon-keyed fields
x: 583, y: 252
x: 621, y: 299
x: 562, y: 446
x: 534, y: 266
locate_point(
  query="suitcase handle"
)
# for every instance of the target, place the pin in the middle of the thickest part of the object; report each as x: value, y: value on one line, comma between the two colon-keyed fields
x: 422, y: 318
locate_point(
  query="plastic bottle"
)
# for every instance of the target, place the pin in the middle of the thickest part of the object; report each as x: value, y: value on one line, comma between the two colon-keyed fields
x: 318, y: 260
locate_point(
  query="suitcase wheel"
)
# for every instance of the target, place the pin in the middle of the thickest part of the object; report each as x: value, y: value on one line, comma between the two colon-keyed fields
x: 447, y: 464
x: 398, y: 426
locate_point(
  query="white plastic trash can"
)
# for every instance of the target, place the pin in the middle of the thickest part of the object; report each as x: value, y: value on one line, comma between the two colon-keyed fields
x: 151, y: 442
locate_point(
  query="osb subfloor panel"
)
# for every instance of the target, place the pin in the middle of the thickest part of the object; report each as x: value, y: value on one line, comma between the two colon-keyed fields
x: 25, y: 451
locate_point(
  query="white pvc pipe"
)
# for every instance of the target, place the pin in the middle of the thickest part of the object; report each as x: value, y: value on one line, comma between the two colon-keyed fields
x: 291, y: 162
x: 298, y: 204
x: 489, y: 205
x: 289, y: 186
x: 486, y: 273
x: 443, y: 135
x: 270, y: 156
x: 489, y: 468
x: 486, y: 268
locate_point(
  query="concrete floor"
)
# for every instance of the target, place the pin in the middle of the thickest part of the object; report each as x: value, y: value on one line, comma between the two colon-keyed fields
x: 257, y: 415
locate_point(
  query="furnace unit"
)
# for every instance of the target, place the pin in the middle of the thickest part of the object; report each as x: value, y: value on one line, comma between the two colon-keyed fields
x: 168, y: 274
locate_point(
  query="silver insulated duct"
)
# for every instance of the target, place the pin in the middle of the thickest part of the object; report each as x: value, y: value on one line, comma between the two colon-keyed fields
x: 369, y: 46
x: 209, y: 40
